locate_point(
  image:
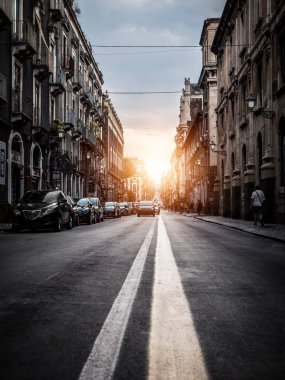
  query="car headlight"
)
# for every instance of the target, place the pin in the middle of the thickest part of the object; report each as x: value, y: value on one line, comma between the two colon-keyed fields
x: 17, y: 212
x: 50, y: 209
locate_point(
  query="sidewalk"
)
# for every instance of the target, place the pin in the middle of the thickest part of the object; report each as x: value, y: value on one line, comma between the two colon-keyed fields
x: 270, y: 231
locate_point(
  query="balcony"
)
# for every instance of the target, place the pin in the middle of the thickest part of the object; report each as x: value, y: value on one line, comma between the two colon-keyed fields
x: 77, y: 82
x: 23, y: 39
x: 59, y: 85
x: 90, y: 137
x: 36, y: 117
x: 21, y: 111
x: 70, y: 121
x: 56, y: 10
x: 3, y: 90
x: 43, y: 66
x: 68, y: 66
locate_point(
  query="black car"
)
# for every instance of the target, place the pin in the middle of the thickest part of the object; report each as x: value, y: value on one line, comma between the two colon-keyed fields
x: 112, y: 210
x: 145, y: 208
x: 75, y: 215
x: 86, y: 211
x: 99, y: 211
x: 125, y: 208
x: 42, y: 209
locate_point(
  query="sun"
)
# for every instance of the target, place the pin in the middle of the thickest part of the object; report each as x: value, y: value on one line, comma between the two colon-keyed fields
x: 156, y: 168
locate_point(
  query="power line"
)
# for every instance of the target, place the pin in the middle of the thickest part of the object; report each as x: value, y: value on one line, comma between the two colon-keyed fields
x: 146, y: 46
x: 142, y: 92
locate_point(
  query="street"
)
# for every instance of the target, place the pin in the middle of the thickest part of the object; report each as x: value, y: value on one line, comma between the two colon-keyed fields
x: 168, y: 297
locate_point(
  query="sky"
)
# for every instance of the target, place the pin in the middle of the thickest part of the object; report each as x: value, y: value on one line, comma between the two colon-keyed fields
x: 149, y: 120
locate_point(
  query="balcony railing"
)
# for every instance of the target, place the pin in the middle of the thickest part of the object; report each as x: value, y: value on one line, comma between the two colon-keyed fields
x: 16, y: 101
x: 3, y: 89
x: 36, y: 117
x: 23, y: 33
x: 57, y: 10
x: 70, y: 118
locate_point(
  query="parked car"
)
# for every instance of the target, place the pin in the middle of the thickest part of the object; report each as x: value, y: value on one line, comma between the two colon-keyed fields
x: 99, y: 211
x: 42, y: 209
x: 125, y: 208
x: 112, y: 210
x: 75, y: 215
x: 86, y: 211
x: 145, y: 208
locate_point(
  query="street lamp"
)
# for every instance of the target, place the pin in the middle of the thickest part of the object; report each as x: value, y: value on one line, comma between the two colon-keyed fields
x: 213, y: 145
x: 251, y: 100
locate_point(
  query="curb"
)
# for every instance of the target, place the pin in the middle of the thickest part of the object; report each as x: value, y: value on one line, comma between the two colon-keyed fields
x: 242, y: 229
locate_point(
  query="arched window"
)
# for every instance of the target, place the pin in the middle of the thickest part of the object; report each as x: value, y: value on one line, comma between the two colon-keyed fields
x: 259, y: 155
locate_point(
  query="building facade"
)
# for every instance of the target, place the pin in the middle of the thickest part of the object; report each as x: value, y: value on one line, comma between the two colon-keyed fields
x: 249, y: 45
x: 51, y: 103
x: 113, y: 136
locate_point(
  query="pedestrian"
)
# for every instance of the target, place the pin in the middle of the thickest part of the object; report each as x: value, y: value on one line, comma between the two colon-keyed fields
x: 199, y: 207
x: 256, y: 204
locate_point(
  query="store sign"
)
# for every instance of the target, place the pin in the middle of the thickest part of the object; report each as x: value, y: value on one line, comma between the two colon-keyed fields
x: 2, y: 163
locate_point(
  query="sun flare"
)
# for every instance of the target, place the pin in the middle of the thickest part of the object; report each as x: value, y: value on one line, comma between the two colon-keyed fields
x: 156, y: 168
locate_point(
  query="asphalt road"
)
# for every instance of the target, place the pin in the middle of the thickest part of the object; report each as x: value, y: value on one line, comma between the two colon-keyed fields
x: 168, y: 297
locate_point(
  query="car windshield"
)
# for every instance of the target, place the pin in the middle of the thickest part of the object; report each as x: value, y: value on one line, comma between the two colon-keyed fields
x: 109, y: 204
x: 40, y: 197
x: 146, y: 203
x: 123, y: 204
x: 82, y: 202
x: 94, y: 201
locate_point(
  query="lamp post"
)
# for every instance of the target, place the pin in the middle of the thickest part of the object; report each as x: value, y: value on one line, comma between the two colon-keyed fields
x: 212, y: 147
x: 251, y: 100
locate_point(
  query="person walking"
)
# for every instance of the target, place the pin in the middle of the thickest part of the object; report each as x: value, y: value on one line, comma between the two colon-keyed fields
x: 256, y: 203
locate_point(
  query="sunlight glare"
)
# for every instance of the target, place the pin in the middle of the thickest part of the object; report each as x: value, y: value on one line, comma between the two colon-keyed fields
x: 156, y: 168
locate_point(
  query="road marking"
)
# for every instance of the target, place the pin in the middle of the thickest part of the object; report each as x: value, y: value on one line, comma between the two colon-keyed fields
x: 174, y: 351
x: 102, y: 360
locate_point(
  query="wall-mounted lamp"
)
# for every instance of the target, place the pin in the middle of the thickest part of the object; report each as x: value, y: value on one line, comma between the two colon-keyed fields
x: 60, y: 133
x: 251, y: 100
x: 88, y: 155
x: 213, y: 145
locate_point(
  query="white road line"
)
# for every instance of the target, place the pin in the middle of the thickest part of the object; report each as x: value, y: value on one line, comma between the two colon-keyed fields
x: 102, y: 360
x: 174, y: 350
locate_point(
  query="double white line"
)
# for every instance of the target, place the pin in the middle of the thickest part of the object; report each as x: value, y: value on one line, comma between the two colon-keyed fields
x: 174, y: 351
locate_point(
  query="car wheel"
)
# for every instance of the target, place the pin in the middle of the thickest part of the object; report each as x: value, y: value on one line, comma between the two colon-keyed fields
x: 57, y: 226
x: 76, y: 221
x: 69, y: 224
x: 90, y: 220
x: 138, y: 215
x: 98, y: 220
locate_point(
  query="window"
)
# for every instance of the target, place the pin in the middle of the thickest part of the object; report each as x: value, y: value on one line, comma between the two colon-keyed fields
x: 232, y: 162
x: 243, y: 158
x: 282, y: 55
x: 37, y: 104
x: 259, y: 156
x: 282, y: 151
x: 52, y: 108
